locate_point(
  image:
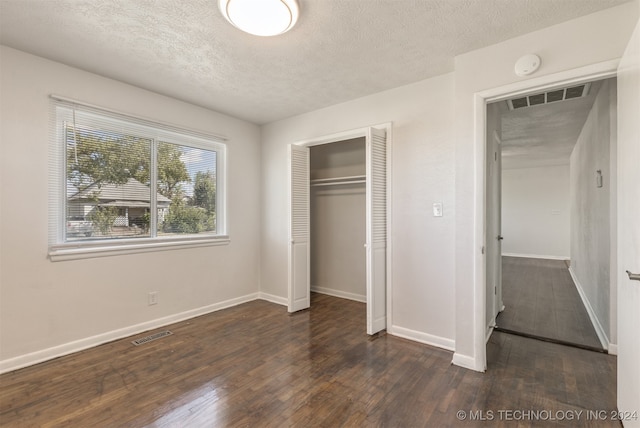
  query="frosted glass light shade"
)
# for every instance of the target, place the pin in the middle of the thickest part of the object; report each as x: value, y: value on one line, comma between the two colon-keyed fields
x: 260, y: 17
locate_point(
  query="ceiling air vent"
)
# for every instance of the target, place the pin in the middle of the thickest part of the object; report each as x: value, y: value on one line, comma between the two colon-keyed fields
x: 549, y: 97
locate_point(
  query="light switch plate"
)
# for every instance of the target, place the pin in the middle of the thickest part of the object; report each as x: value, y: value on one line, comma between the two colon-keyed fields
x: 437, y: 209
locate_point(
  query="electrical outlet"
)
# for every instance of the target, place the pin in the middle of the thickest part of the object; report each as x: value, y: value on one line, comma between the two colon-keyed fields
x: 153, y: 298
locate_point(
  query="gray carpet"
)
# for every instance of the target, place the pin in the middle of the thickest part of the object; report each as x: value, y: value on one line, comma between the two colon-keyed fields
x: 541, y: 299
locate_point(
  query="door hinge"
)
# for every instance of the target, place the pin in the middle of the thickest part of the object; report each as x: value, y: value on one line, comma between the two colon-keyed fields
x: 495, y: 290
x: 483, y: 250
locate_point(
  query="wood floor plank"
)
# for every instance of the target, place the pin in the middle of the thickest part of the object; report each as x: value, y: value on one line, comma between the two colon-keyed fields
x: 256, y: 366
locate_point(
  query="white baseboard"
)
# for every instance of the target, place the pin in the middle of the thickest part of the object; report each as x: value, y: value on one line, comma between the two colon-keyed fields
x: 466, y: 362
x: 273, y: 299
x: 339, y: 293
x: 613, y: 349
x: 90, y: 342
x: 602, y: 335
x: 536, y: 256
x: 418, y: 336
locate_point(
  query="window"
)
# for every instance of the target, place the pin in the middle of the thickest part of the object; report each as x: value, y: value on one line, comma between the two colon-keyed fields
x: 123, y: 184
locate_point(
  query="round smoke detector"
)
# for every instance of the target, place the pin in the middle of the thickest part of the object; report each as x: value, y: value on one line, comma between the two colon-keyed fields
x: 527, y: 65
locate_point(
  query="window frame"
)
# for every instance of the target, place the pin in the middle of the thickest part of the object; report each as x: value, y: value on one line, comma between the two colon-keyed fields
x: 65, y: 111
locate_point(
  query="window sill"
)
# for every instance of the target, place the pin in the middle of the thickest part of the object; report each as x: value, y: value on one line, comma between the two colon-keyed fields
x: 89, y: 250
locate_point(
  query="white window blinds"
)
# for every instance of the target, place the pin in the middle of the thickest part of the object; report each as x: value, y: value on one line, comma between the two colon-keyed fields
x: 126, y: 180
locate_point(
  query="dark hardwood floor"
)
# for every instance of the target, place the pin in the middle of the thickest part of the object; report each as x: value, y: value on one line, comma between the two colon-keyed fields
x: 541, y: 299
x: 254, y: 365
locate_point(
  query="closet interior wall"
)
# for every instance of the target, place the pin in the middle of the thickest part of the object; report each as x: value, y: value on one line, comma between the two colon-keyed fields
x: 338, y: 219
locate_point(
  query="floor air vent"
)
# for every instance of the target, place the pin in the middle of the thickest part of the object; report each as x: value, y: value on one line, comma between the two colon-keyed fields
x: 549, y: 97
x: 151, y: 337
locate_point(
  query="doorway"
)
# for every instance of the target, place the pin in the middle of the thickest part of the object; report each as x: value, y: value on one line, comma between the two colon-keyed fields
x: 551, y: 169
x: 329, y: 173
x: 338, y: 219
x: 625, y: 317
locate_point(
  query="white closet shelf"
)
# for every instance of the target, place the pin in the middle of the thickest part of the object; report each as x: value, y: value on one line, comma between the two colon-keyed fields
x: 336, y: 181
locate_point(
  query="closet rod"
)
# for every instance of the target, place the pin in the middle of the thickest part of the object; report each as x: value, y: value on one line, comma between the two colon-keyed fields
x: 351, y: 177
x: 337, y: 183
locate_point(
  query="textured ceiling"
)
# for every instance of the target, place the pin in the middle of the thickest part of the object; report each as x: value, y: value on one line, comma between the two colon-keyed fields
x: 339, y: 50
x: 544, y: 134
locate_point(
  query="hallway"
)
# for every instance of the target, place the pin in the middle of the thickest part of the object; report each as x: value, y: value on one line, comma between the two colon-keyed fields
x: 541, y: 299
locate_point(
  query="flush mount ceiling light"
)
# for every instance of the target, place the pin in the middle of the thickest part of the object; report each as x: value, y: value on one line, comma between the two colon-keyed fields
x: 260, y: 17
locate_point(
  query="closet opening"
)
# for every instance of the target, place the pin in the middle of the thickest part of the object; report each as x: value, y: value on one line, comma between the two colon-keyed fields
x: 338, y: 221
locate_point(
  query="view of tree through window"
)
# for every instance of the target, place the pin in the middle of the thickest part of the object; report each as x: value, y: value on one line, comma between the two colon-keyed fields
x: 108, y: 186
x: 187, y: 177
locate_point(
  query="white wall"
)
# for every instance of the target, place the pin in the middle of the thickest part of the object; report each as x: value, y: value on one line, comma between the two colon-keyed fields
x: 590, y: 206
x: 422, y: 172
x: 577, y: 43
x: 338, y: 264
x: 45, y: 306
x: 535, y: 212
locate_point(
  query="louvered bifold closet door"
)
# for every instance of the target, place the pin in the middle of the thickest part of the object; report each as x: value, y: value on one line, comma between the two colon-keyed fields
x: 376, y: 246
x: 299, y: 229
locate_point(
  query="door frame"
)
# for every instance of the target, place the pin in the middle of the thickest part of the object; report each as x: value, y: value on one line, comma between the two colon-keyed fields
x: 358, y: 133
x: 598, y: 71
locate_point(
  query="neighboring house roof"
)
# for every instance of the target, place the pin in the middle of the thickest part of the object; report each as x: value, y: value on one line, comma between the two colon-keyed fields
x: 131, y: 194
